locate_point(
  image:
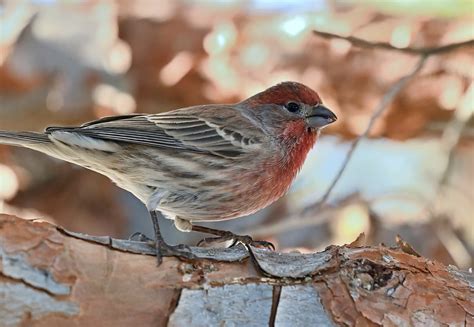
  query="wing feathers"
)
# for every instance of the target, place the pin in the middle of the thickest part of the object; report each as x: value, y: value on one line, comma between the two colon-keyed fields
x: 173, y: 130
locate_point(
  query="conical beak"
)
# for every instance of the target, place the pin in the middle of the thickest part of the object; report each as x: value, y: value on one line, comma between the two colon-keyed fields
x: 320, y: 116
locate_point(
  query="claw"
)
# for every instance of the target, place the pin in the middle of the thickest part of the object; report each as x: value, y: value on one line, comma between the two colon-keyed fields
x: 263, y: 244
x: 236, y: 239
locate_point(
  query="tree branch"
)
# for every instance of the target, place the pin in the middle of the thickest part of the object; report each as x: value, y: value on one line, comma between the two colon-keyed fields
x: 295, y: 221
x: 427, y: 51
x: 449, y: 141
x: 49, y: 278
x: 383, y: 105
x: 453, y: 132
x: 388, y: 97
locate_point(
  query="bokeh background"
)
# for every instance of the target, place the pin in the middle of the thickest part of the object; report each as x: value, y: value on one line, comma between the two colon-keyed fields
x: 66, y: 62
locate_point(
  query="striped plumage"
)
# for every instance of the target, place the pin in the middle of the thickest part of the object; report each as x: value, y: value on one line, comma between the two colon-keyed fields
x: 201, y: 163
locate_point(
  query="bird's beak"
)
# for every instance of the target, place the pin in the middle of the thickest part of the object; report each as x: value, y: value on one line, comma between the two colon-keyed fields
x: 320, y: 116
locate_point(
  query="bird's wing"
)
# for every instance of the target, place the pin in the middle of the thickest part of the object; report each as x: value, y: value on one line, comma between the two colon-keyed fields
x: 185, y: 130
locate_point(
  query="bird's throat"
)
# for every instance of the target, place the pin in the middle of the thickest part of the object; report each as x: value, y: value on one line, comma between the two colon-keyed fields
x: 295, y: 149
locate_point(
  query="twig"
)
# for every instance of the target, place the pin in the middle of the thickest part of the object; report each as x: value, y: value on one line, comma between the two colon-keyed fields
x: 296, y: 220
x: 387, y: 98
x: 451, y: 136
x: 449, y: 141
x: 387, y: 46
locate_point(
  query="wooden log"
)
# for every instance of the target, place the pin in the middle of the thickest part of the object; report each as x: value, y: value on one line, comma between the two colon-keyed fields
x: 49, y: 277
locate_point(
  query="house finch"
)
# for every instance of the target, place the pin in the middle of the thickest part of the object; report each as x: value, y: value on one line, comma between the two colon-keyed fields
x: 202, y: 163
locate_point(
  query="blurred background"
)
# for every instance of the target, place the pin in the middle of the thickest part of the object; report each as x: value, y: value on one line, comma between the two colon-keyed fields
x: 66, y: 62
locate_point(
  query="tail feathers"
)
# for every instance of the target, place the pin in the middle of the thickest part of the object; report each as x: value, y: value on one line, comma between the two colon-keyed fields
x: 26, y: 139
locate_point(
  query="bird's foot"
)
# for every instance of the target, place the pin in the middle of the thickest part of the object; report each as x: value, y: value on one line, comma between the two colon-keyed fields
x: 236, y: 239
x: 165, y: 250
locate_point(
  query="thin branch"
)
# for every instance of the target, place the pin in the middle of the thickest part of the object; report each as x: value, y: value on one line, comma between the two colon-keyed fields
x: 302, y: 219
x: 383, y: 105
x: 387, y: 46
x: 449, y: 140
x: 451, y: 136
x: 387, y: 98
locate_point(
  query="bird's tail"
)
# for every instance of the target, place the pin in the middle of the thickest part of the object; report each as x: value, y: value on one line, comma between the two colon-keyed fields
x: 32, y: 140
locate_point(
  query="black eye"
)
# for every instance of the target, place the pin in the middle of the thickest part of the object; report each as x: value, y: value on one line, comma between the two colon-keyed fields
x: 292, y: 106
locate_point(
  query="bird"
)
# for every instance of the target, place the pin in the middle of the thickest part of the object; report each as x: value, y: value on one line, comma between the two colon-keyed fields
x: 202, y: 163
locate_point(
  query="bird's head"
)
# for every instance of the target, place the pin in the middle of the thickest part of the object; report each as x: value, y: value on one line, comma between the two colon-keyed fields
x: 290, y: 109
x: 292, y: 114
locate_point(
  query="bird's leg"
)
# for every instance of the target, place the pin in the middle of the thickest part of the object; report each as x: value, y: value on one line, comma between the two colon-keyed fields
x: 163, y: 248
x: 223, y: 236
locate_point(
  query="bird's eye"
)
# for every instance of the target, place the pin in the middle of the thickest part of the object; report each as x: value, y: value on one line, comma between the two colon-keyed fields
x: 293, y: 107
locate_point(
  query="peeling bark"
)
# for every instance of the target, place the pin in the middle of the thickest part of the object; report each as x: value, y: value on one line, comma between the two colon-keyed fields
x: 52, y: 278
